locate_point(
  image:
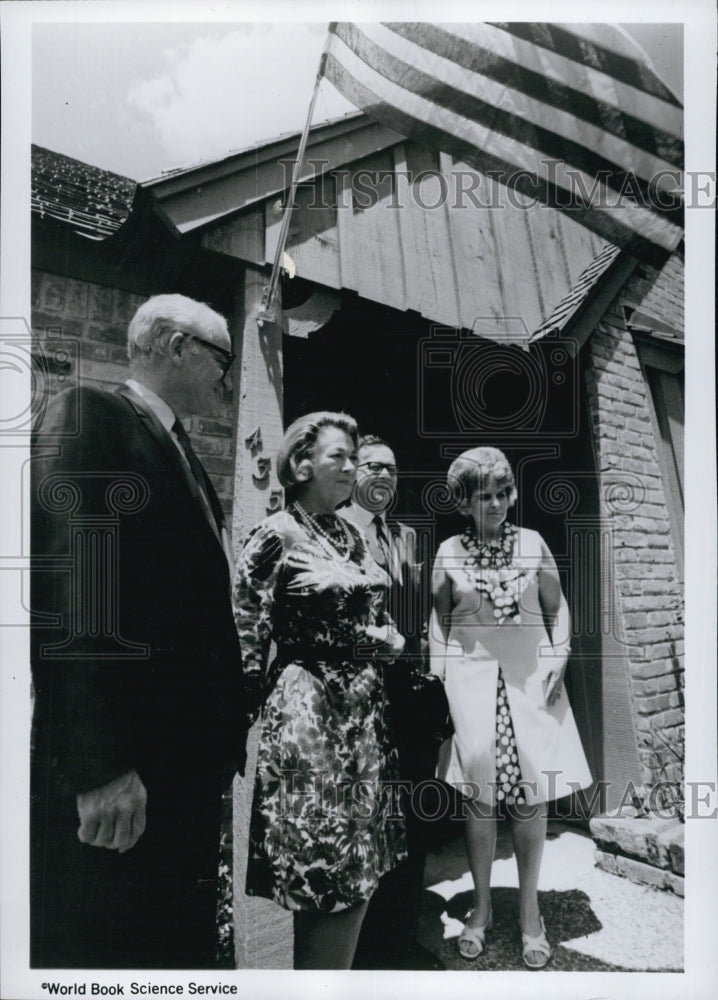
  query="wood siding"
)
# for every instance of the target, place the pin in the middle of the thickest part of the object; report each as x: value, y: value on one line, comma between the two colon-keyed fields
x: 414, y: 230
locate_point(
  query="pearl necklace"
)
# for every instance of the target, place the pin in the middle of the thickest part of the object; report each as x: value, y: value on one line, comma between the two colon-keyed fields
x: 489, y: 567
x: 332, y: 546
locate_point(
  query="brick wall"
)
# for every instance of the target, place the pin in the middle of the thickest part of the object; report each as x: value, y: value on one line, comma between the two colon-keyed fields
x: 661, y: 294
x: 80, y: 331
x: 649, y: 590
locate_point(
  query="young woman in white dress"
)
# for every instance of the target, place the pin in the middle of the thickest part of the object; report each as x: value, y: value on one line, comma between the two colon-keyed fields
x: 499, y: 637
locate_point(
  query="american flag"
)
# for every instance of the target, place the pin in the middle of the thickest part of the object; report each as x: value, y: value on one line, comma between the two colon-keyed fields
x: 570, y: 115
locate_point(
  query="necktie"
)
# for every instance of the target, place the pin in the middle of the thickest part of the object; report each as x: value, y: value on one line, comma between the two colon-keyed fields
x: 386, y: 548
x: 206, y: 491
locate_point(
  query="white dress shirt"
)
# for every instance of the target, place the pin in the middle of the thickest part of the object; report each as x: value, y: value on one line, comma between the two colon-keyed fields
x: 364, y: 519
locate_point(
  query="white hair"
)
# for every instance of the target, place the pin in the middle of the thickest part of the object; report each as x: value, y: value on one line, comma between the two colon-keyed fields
x: 159, y: 317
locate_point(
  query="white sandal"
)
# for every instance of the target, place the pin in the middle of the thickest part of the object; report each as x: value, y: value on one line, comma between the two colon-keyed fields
x: 536, y: 944
x: 475, y: 936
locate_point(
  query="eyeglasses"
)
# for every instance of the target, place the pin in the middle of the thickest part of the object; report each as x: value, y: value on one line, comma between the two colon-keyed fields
x: 224, y: 359
x: 376, y: 468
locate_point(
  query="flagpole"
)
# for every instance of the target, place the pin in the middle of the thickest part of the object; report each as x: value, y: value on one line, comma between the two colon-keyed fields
x: 266, y: 312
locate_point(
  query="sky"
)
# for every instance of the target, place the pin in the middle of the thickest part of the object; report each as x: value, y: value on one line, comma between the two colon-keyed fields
x: 142, y: 98
x: 138, y: 98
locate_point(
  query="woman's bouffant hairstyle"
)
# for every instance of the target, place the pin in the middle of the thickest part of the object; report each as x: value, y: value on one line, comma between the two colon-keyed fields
x: 300, y: 439
x: 473, y: 469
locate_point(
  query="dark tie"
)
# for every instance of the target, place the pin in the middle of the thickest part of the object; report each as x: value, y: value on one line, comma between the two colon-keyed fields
x: 200, y: 475
x: 384, y: 545
x: 396, y: 550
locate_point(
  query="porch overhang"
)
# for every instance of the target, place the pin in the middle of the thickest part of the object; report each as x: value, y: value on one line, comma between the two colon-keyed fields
x: 196, y: 197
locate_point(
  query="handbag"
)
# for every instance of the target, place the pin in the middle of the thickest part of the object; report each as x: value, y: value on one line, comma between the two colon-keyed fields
x: 418, y: 703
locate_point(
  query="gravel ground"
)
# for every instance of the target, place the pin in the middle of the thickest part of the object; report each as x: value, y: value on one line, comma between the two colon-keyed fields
x: 594, y: 921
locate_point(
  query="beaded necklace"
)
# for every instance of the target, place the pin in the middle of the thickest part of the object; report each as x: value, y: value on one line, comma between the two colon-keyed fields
x: 333, y: 545
x: 489, y: 567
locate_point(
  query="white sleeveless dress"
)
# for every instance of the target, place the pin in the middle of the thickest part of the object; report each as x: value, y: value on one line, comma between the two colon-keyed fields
x: 551, y: 759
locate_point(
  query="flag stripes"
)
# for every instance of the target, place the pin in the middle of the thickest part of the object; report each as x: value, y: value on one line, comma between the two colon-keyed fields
x: 616, y: 225
x: 581, y: 50
x: 489, y: 54
x: 552, y: 143
x: 455, y: 88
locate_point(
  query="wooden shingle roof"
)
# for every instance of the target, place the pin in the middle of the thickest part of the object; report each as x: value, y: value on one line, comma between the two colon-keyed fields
x: 578, y: 293
x: 94, y: 202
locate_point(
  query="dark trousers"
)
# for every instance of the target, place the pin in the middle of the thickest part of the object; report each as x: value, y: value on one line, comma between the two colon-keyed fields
x: 392, y: 920
x: 151, y: 907
x: 390, y: 927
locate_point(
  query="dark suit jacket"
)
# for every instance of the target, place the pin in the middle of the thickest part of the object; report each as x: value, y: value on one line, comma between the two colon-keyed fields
x: 135, y: 657
x: 404, y: 601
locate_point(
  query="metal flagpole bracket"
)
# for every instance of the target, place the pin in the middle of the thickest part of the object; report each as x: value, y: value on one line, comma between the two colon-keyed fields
x: 267, y: 313
x: 267, y: 310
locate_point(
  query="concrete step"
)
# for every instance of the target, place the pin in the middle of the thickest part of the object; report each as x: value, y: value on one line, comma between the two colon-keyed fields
x: 651, y: 840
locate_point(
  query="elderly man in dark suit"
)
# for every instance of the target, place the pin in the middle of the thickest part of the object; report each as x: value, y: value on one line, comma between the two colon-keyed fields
x: 139, y: 702
x: 388, y: 937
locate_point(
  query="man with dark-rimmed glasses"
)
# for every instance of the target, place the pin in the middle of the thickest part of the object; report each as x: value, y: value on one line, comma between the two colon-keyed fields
x: 136, y: 665
x: 388, y: 936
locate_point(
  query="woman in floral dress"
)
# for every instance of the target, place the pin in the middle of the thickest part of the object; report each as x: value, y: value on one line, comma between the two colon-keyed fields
x: 500, y: 639
x: 325, y: 825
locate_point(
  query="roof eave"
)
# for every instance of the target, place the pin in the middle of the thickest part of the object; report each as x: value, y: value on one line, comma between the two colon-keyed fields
x: 177, y: 180
x: 210, y: 192
x: 575, y: 329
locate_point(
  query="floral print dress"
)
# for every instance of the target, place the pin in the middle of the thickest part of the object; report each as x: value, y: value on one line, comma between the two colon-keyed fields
x: 326, y: 823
